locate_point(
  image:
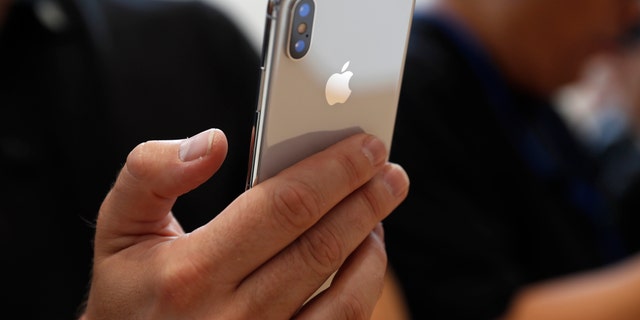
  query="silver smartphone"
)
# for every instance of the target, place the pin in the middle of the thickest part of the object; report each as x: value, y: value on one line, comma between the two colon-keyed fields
x: 331, y: 68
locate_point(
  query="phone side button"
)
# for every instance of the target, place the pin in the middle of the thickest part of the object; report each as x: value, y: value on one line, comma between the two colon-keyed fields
x: 259, y: 106
x: 252, y: 146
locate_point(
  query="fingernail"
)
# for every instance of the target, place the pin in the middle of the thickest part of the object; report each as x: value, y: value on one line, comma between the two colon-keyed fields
x: 374, y: 150
x: 396, y: 180
x: 197, y: 146
x: 379, y: 231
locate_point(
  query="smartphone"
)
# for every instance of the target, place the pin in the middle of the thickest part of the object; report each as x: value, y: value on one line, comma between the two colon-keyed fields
x: 330, y: 69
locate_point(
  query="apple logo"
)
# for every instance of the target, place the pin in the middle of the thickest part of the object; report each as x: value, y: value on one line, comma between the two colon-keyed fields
x: 337, y: 90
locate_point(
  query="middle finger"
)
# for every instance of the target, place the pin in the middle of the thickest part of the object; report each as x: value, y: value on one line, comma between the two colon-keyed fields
x: 292, y: 276
x: 271, y: 215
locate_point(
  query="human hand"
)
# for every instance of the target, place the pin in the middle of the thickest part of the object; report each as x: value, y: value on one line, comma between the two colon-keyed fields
x: 261, y: 257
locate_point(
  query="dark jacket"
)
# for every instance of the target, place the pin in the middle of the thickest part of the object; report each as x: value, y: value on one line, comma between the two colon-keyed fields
x: 76, y: 95
x: 501, y: 195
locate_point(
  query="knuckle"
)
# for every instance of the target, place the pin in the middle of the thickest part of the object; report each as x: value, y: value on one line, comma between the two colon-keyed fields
x: 137, y: 165
x: 372, y: 203
x: 324, y: 251
x: 353, y: 308
x: 296, y: 206
x: 179, y: 285
x: 352, y: 168
x: 377, y: 252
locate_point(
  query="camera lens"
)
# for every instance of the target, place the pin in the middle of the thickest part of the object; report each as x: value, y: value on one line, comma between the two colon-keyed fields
x: 302, y: 28
x: 304, y: 10
x: 300, y: 45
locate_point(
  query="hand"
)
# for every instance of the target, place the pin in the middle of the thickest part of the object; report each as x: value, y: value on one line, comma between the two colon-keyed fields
x: 261, y: 257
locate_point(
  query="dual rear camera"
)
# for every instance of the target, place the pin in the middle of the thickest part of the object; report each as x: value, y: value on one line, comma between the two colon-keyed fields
x: 301, y: 27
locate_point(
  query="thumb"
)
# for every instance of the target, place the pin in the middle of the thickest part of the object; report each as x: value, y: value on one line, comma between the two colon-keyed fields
x: 155, y: 175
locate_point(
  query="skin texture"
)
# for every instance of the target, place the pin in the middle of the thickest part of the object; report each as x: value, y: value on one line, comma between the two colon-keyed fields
x: 260, y: 258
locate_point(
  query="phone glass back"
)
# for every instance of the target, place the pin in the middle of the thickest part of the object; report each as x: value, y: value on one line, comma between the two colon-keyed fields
x: 360, y: 45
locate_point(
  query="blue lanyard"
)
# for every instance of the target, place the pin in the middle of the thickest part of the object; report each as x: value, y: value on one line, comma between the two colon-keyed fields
x: 543, y: 142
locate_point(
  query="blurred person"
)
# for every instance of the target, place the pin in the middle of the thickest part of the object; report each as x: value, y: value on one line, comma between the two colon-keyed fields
x: 81, y: 84
x: 603, y: 108
x: 604, y: 101
x: 507, y: 217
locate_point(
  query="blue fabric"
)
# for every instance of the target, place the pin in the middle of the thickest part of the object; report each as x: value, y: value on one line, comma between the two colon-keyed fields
x: 540, y: 137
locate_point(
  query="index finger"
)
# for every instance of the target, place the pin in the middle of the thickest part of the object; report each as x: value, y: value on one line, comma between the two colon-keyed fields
x: 271, y: 215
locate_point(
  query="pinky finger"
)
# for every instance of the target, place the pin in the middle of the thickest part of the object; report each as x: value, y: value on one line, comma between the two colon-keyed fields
x: 356, y: 287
